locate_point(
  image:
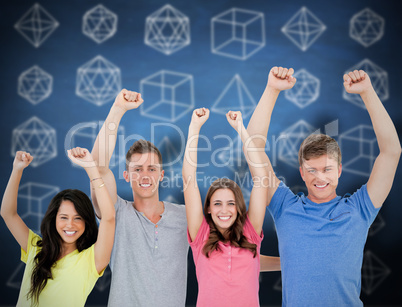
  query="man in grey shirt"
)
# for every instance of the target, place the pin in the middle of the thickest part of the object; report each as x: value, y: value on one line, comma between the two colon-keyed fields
x: 149, y: 257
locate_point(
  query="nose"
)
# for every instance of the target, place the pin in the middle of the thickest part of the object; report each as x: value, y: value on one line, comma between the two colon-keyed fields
x: 320, y: 176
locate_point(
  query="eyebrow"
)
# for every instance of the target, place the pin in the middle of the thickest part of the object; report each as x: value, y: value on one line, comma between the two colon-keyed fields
x: 231, y: 200
x: 67, y: 214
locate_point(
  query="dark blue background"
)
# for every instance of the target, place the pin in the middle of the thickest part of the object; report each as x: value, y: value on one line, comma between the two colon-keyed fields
x: 67, y: 49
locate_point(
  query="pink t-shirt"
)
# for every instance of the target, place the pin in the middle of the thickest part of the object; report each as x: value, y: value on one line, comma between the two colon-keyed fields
x: 228, y: 277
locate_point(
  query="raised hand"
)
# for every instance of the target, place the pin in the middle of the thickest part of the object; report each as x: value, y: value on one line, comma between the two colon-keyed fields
x: 235, y: 120
x: 356, y: 82
x: 22, y: 160
x: 128, y: 100
x: 81, y: 157
x: 281, y: 78
x: 199, y: 117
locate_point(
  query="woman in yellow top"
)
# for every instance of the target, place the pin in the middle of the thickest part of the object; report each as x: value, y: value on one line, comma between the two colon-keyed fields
x: 63, y: 266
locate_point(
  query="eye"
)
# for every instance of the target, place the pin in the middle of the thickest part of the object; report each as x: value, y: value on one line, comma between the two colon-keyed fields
x: 63, y: 217
x: 312, y: 171
x: 78, y: 218
x: 217, y: 204
x: 152, y: 170
x: 232, y: 204
x: 328, y: 169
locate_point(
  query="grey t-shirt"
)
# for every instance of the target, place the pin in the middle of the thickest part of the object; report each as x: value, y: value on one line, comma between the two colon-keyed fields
x: 149, y: 261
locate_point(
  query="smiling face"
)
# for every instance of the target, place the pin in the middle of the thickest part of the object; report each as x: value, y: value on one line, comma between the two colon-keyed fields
x: 321, y: 178
x: 144, y: 173
x: 223, y: 209
x: 69, y: 224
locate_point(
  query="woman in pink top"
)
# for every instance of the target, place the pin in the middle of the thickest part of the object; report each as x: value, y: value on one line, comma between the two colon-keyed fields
x: 226, y: 241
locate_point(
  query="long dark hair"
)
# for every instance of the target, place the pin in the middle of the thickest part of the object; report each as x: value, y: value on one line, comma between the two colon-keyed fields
x: 51, y: 242
x: 235, y: 231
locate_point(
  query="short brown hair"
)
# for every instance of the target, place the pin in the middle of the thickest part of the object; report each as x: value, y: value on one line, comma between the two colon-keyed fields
x: 142, y: 146
x: 317, y: 145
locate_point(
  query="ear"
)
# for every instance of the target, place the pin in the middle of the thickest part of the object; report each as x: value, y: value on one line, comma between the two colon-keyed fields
x: 162, y: 175
x: 339, y: 170
x: 301, y: 173
x: 126, y: 176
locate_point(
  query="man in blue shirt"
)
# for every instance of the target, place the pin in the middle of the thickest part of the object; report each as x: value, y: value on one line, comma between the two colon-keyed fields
x: 322, y: 236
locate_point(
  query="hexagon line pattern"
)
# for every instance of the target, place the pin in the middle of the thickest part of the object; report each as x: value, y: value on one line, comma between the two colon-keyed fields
x: 35, y: 84
x: 37, y: 138
x: 98, y: 81
x: 366, y: 27
x: 99, y: 23
x: 167, y: 30
x: 305, y: 91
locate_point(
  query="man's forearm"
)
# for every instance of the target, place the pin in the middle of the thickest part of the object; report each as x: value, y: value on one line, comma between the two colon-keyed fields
x: 261, y: 118
x: 106, y: 140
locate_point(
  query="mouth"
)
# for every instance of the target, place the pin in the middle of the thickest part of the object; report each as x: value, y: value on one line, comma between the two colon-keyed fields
x: 145, y: 185
x: 70, y: 233
x: 224, y: 218
x: 321, y: 186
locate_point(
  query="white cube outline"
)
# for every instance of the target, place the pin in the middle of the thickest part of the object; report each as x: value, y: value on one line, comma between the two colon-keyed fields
x: 243, y: 40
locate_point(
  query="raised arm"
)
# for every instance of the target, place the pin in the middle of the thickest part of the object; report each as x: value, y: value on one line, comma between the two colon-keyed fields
x: 9, y: 213
x: 106, y: 141
x: 104, y: 242
x: 192, y: 197
x: 383, y: 172
x: 279, y: 79
x: 255, y: 159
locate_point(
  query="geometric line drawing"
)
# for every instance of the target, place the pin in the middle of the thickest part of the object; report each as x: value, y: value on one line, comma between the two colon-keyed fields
x: 98, y: 81
x: 305, y: 91
x: 374, y: 271
x: 366, y: 27
x: 362, y: 150
x: 169, y: 95
x: 303, y: 28
x: 237, y: 33
x: 278, y: 285
x: 290, y: 141
x: 36, y: 25
x: 167, y: 30
x: 378, y: 77
x: 233, y: 157
x: 172, y: 163
x: 235, y: 96
x: 15, y: 279
x: 377, y: 225
x: 99, y: 23
x: 37, y: 138
x: 35, y: 84
x: 33, y: 199
x: 103, y: 283
x: 84, y: 135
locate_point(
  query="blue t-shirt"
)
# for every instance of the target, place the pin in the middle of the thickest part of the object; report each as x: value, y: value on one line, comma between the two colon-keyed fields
x: 321, y: 247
